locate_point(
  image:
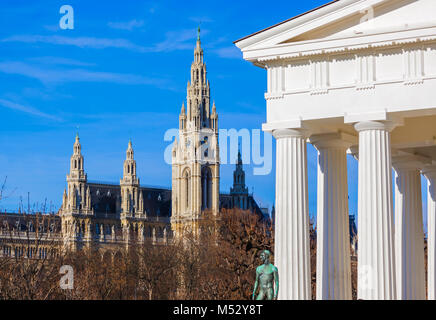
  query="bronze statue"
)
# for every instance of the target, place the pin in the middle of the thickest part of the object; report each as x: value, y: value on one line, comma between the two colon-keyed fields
x: 266, y: 275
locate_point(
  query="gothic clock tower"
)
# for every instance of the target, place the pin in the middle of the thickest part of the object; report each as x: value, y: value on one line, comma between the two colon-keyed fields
x: 195, y: 154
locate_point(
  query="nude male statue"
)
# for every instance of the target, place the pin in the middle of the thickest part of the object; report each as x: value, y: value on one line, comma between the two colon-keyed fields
x: 266, y: 276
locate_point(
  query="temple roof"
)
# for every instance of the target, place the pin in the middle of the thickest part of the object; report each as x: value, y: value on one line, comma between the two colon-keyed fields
x: 287, y: 20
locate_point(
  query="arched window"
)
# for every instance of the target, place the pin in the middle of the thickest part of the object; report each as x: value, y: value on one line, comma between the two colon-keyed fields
x: 187, y: 186
x: 206, y: 184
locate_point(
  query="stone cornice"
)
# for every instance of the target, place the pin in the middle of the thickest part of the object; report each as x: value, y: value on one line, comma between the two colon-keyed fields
x: 409, y: 162
x: 340, y: 46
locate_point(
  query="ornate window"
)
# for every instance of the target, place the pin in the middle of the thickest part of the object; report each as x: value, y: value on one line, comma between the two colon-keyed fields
x: 206, y: 188
x: 187, y: 186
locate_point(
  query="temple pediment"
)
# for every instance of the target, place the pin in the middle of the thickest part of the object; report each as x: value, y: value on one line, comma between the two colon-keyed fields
x: 357, y: 20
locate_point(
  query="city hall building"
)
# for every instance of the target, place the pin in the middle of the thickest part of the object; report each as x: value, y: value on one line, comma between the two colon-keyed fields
x: 113, y: 216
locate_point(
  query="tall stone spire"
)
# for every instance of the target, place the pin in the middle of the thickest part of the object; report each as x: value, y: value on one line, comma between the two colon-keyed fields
x: 195, y: 154
x: 198, y: 93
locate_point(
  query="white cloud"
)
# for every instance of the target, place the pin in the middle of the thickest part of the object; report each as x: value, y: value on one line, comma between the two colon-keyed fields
x: 52, y: 27
x: 54, y: 76
x: 27, y: 109
x: 61, y: 61
x: 201, y: 19
x: 174, y: 40
x: 128, y: 25
x: 81, y: 42
x: 229, y: 52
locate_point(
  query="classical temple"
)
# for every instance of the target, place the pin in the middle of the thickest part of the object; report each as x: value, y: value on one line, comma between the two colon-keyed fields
x: 353, y: 77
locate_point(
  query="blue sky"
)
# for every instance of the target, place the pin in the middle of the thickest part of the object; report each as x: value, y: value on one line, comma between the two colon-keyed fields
x: 120, y: 74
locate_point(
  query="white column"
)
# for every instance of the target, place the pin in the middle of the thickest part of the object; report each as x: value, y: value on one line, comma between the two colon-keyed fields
x: 292, y: 251
x: 430, y: 174
x: 333, y: 266
x: 376, y: 257
x: 409, y: 232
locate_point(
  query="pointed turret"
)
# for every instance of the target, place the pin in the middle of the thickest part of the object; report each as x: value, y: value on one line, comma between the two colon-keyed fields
x: 129, y: 173
x: 198, y: 53
x: 129, y: 184
x: 198, y: 92
x: 214, y: 118
x: 239, y: 177
x: 77, y: 146
x: 182, y: 118
x: 76, y: 180
x: 129, y: 151
x: 77, y: 165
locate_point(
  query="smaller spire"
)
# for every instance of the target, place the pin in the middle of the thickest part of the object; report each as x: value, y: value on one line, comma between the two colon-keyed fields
x: 129, y: 151
x: 239, y: 156
x: 198, y: 52
x: 183, y: 108
x: 77, y: 146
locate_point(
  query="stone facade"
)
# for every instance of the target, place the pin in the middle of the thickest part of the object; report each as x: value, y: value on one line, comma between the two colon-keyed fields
x: 195, y: 156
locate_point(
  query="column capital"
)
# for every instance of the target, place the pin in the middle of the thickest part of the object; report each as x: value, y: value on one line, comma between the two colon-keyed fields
x: 375, y: 125
x: 409, y: 162
x: 291, y: 133
x: 429, y: 171
x: 354, y: 151
x: 333, y: 140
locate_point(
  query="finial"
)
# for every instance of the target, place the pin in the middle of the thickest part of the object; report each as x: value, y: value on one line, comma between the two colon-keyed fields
x: 198, y: 32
